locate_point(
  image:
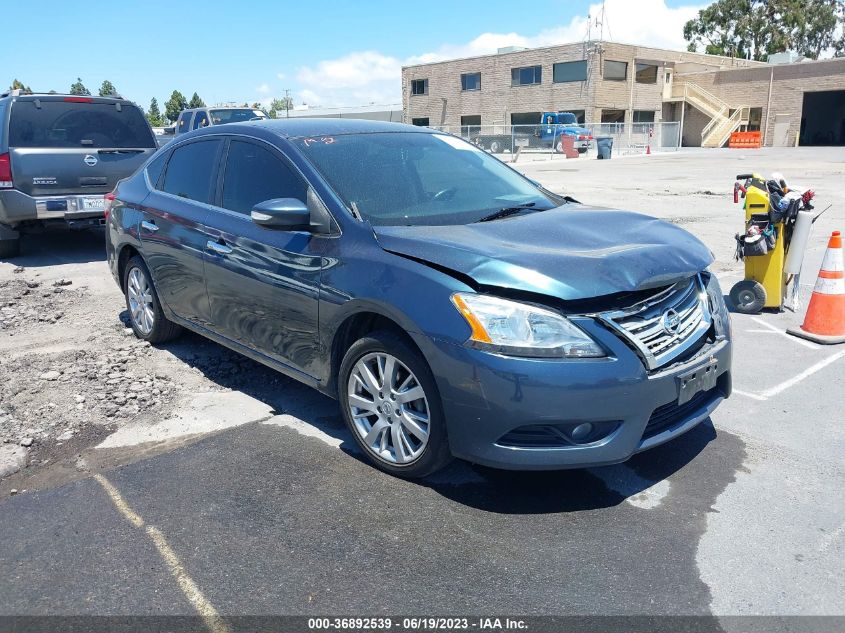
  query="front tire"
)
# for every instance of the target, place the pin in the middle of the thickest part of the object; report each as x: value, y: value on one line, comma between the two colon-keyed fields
x: 391, y: 404
x: 145, y: 314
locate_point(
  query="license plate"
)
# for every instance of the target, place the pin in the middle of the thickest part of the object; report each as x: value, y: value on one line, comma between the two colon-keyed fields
x: 93, y: 204
x: 697, y: 380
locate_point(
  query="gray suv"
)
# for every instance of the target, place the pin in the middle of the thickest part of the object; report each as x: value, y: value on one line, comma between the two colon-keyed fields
x: 59, y: 156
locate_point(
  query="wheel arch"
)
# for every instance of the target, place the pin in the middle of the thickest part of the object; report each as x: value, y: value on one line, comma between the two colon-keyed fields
x: 357, y: 324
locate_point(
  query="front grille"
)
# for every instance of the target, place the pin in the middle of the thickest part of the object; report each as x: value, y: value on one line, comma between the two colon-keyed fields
x: 665, y: 326
x: 673, y: 414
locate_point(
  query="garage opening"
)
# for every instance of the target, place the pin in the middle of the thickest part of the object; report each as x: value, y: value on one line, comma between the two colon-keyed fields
x: 823, y: 118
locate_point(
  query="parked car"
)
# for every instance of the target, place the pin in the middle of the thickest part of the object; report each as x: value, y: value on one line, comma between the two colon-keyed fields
x: 196, y: 118
x: 454, y: 307
x: 59, y: 154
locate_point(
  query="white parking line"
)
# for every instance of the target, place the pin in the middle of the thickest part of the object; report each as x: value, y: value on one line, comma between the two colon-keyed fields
x: 804, y: 374
x: 192, y: 592
x: 787, y: 384
x: 776, y: 330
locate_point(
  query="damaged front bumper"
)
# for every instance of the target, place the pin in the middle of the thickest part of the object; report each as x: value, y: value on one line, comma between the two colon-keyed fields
x: 517, y: 413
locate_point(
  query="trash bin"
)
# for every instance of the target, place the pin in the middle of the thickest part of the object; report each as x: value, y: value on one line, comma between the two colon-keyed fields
x: 604, y: 146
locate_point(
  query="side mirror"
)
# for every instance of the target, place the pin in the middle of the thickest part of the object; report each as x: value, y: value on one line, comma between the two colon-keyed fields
x: 282, y: 213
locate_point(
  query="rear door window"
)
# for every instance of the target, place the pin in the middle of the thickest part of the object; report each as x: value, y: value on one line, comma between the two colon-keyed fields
x: 254, y: 174
x: 200, y: 120
x: 192, y: 171
x: 71, y: 124
x: 184, y: 123
x: 155, y: 167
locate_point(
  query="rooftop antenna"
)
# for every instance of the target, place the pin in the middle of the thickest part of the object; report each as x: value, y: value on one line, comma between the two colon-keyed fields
x: 600, y: 20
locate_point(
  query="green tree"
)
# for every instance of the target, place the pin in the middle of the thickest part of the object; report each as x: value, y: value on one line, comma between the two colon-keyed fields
x: 758, y: 28
x: 107, y: 89
x: 279, y: 107
x: 78, y: 88
x: 18, y: 85
x: 174, y: 106
x: 154, y: 114
x: 196, y: 102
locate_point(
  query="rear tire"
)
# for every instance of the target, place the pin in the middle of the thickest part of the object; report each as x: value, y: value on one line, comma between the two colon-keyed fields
x: 495, y: 147
x: 145, y: 314
x: 748, y: 296
x: 395, y: 401
x: 10, y: 248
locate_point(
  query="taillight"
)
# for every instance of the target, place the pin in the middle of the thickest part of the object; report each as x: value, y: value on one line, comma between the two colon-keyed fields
x: 109, y: 201
x: 6, y: 172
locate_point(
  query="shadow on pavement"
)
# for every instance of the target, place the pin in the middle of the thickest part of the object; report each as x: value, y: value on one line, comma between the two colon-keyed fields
x: 60, y: 246
x: 498, y: 491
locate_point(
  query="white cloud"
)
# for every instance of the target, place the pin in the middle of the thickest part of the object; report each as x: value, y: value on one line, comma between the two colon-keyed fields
x: 373, y: 77
x: 281, y: 76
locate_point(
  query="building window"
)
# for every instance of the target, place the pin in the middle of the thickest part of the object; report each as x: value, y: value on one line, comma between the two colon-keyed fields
x: 419, y: 87
x: 579, y: 115
x: 526, y: 76
x: 563, y: 72
x: 615, y: 71
x: 646, y: 74
x: 613, y: 116
x: 643, y: 116
x: 470, y: 125
x: 526, y: 118
x: 755, y: 118
x: 420, y: 121
x: 470, y: 82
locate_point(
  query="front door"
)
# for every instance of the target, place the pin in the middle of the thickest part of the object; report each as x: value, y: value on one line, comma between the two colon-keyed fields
x: 262, y: 283
x: 667, y: 83
x: 172, y: 229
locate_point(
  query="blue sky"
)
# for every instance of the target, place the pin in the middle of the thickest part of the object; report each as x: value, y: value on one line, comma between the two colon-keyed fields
x: 327, y: 52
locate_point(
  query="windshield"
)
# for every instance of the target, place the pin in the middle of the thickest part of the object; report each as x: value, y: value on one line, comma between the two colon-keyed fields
x: 235, y: 115
x: 54, y: 124
x: 412, y: 178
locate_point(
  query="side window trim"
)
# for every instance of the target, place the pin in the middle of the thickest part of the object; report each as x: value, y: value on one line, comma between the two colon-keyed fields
x: 155, y: 185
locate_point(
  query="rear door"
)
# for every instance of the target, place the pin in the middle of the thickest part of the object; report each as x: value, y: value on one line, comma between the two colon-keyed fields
x: 263, y: 284
x: 172, y: 227
x: 75, y: 145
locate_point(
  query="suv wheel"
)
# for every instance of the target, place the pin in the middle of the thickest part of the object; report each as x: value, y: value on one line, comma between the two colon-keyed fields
x: 145, y: 314
x: 391, y: 405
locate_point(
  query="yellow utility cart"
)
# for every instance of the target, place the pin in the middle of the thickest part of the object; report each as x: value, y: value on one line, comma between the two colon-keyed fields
x: 764, y: 285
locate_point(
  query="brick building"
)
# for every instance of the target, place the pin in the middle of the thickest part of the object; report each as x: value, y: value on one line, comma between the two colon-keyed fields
x: 607, y: 82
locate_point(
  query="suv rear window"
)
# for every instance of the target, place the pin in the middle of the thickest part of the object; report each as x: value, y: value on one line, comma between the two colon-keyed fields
x: 73, y: 124
x: 235, y: 115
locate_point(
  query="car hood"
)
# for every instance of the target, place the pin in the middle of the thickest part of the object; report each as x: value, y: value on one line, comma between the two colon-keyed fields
x: 573, y: 252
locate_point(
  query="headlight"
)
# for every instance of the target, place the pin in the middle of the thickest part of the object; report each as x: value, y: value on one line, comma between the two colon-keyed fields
x: 519, y: 329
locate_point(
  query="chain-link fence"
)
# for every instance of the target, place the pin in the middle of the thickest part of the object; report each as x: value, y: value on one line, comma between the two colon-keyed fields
x: 628, y: 138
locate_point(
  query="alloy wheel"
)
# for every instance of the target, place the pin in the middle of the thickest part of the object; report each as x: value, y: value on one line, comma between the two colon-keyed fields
x: 140, y: 297
x: 389, y: 408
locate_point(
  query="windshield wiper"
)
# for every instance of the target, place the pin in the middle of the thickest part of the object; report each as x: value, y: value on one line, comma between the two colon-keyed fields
x: 507, y: 211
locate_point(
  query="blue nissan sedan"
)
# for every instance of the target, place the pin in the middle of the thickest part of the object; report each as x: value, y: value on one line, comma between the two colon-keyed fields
x: 453, y: 307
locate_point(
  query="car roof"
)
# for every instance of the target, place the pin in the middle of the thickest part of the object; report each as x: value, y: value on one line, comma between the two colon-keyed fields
x: 304, y: 126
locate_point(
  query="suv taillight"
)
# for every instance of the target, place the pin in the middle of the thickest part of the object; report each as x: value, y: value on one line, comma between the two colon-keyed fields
x: 109, y: 201
x: 6, y: 172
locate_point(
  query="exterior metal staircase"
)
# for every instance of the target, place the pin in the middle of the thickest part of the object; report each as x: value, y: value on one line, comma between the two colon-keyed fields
x: 723, y: 122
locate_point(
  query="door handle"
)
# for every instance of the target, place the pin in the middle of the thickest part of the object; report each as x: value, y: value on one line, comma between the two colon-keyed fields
x: 218, y: 248
x: 149, y: 226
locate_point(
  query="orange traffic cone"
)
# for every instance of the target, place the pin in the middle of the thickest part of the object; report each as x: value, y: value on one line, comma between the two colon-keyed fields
x: 825, y: 319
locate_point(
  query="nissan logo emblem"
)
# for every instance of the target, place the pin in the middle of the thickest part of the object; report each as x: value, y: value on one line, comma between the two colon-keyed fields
x: 90, y: 160
x: 671, y: 321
